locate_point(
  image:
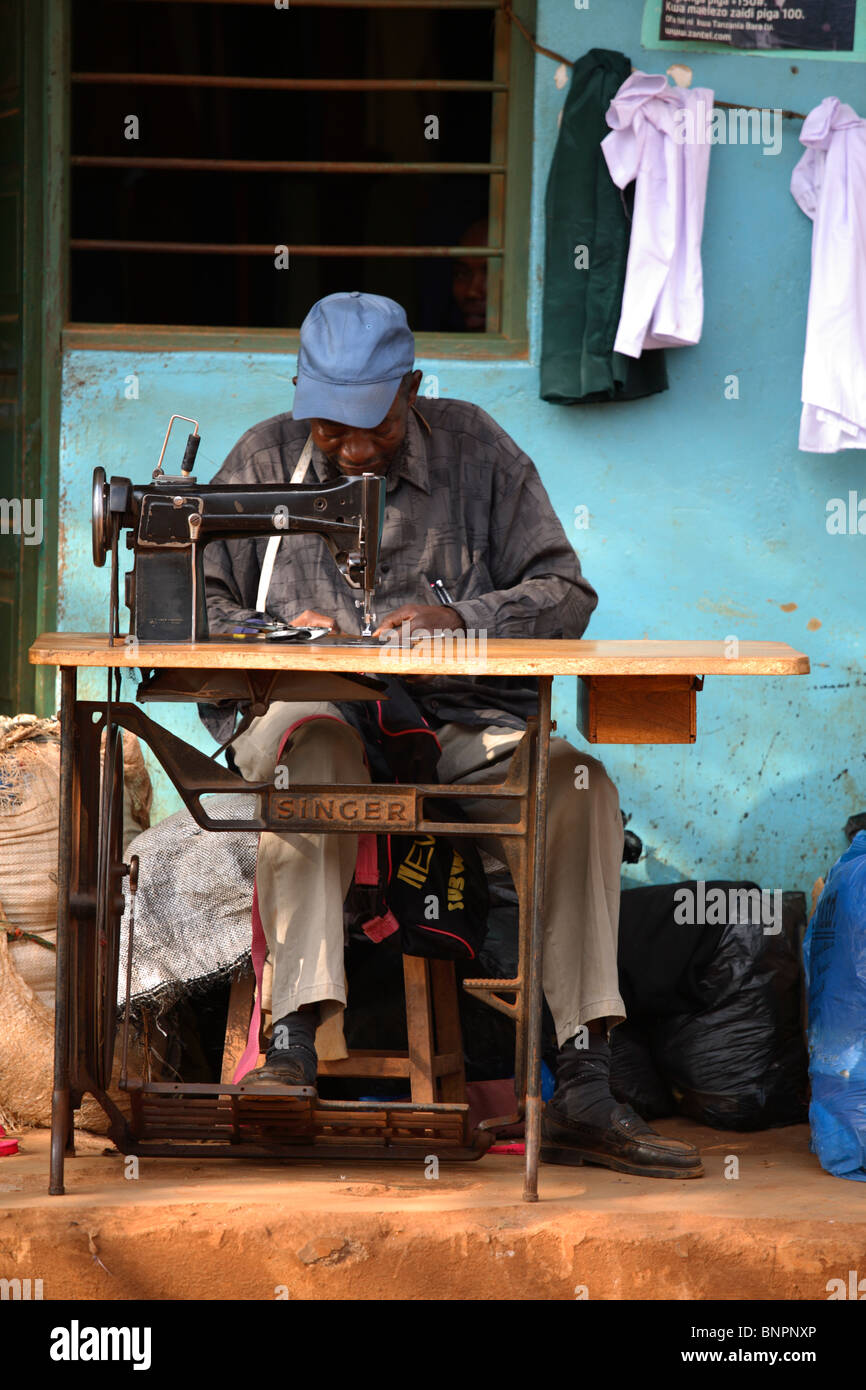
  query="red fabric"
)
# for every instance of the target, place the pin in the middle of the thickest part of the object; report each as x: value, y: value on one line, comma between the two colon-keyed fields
x: 260, y: 951
x: 367, y: 862
x: 378, y: 928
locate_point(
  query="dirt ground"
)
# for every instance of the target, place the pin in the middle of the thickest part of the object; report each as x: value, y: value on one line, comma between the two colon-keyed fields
x: 249, y: 1229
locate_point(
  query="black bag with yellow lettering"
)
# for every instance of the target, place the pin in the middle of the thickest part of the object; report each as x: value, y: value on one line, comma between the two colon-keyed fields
x: 437, y: 891
x: 431, y: 888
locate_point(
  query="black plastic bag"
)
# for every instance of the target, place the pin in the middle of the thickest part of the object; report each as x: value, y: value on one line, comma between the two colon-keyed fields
x: 714, y: 1013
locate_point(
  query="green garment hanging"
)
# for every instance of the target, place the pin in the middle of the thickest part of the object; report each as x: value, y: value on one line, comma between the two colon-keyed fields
x: 587, y: 236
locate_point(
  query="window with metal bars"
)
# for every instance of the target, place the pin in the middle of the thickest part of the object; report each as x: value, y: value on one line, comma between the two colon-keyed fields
x: 232, y: 162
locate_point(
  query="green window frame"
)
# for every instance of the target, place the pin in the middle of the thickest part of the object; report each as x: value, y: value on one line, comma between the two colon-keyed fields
x: 511, y: 152
x: 30, y: 339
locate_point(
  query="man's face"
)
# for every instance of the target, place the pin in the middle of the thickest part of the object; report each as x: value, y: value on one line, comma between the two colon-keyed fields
x: 355, y: 451
x: 470, y: 292
x: 469, y: 283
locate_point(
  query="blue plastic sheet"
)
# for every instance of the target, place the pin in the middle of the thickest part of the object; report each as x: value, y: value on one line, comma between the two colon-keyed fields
x: 835, y: 958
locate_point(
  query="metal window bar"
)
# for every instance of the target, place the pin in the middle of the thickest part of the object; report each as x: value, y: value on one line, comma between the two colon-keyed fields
x: 358, y: 4
x: 287, y: 84
x: 496, y: 169
x: 208, y: 248
x: 278, y: 166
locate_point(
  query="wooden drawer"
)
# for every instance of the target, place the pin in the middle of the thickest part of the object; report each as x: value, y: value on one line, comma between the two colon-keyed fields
x: 637, y: 709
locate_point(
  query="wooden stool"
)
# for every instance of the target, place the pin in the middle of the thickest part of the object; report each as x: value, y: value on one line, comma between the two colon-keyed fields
x: 433, y: 1065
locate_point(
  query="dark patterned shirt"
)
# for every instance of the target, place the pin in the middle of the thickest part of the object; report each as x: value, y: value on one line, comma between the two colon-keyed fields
x: 463, y: 504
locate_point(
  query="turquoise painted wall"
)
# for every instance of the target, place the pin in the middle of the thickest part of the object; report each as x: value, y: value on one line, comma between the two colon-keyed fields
x: 706, y: 521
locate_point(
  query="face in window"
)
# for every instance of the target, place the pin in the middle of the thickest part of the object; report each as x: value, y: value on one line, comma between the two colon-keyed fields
x: 355, y: 451
x: 469, y: 285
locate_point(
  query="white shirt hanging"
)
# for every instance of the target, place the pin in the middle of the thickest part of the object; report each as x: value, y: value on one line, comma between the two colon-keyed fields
x: 829, y: 184
x: 660, y: 137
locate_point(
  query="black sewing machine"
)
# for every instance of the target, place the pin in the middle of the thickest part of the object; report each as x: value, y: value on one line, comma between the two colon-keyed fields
x: 170, y: 520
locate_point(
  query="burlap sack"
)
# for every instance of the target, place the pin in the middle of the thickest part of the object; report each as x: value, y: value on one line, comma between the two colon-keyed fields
x: 27, y: 1058
x: 29, y: 799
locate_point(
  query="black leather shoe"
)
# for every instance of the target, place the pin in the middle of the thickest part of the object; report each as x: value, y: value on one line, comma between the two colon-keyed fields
x: 627, y: 1144
x: 286, y: 1072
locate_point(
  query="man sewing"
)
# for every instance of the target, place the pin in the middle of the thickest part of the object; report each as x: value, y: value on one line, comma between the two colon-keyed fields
x: 464, y: 505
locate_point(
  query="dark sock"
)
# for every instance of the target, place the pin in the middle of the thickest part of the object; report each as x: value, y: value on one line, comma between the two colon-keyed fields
x: 583, y: 1079
x: 294, y: 1036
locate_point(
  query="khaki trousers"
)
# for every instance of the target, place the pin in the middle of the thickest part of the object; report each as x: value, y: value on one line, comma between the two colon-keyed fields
x: 303, y: 879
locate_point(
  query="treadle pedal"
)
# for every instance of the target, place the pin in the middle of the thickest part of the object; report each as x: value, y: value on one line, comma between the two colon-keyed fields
x: 176, y: 1118
x: 285, y: 1116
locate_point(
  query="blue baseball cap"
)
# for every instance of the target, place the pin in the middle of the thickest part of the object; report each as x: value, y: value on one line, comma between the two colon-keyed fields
x: 355, y: 350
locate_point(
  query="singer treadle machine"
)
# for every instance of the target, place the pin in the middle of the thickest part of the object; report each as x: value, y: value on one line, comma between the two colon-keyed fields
x: 167, y: 522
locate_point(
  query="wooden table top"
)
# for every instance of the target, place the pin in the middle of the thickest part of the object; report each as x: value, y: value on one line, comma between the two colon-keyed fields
x: 500, y: 657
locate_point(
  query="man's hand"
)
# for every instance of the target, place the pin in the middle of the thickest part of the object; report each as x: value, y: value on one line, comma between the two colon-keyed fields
x: 421, y: 618
x: 310, y: 618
